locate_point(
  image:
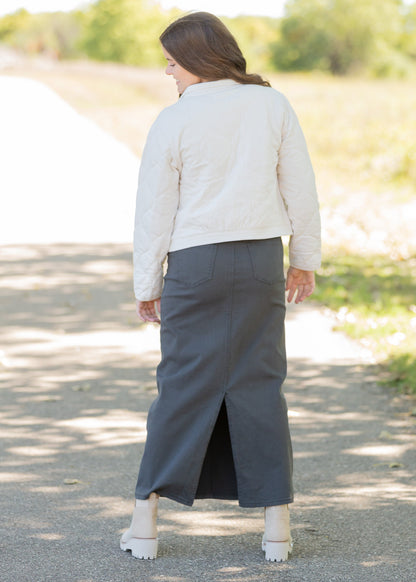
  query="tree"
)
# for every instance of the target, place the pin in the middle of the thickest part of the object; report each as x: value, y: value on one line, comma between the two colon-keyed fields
x: 12, y: 23
x: 53, y: 33
x: 124, y: 31
x: 337, y: 35
x: 408, y: 37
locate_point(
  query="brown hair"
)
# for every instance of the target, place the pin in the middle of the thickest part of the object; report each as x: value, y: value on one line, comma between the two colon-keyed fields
x: 205, y: 47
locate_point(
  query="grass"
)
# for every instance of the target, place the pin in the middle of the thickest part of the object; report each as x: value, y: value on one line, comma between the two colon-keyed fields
x: 360, y: 135
x: 375, y: 302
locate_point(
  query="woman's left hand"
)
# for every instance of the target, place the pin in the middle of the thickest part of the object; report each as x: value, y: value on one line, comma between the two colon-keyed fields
x: 148, y: 310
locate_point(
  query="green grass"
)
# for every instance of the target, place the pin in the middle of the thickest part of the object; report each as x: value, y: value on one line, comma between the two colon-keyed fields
x: 375, y: 301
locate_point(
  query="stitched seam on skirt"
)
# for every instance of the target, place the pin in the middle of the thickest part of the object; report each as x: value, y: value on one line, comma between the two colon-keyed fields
x: 227, y: 350
x: 236, y: 459
x: 222, y: 398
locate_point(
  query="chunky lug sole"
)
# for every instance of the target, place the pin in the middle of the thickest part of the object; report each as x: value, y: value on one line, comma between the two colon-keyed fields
x: 143, y: 549
x: 277, y: 551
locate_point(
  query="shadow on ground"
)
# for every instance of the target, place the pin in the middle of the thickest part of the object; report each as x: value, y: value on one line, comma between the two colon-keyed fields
x: 77, y: 373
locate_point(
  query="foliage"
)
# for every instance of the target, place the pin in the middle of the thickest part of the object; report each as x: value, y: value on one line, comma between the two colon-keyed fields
x: 11, y: 23
x: 338, y: 36
x: 407, y: 43
x: 401, y: 372
x: 255, y: 37
x: 125, y: 31
x: 128, y: 30
x: 341, y: 36
x: 54, y: 33
x: 374, y: 298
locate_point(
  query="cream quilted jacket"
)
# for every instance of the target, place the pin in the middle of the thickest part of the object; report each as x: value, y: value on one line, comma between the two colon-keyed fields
x: 226, y: 162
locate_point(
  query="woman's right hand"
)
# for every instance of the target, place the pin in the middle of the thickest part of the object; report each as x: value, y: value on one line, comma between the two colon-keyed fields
x: 148, y: 310
x: 302, y: 282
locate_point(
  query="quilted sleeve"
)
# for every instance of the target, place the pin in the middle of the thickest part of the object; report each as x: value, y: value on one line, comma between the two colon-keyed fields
x: 297, y: 187
x: 156, y: 206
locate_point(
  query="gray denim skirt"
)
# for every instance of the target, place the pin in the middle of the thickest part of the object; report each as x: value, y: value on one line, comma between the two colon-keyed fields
x: 218, y: 427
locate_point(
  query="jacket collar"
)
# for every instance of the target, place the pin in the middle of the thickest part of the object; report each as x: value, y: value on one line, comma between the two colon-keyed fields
x: 208, y: 87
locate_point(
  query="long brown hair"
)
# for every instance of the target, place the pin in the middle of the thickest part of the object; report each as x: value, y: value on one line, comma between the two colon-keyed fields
x: 205, y: 47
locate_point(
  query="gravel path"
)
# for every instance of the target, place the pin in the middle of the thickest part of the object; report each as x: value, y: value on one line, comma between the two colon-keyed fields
x: 77, y: 377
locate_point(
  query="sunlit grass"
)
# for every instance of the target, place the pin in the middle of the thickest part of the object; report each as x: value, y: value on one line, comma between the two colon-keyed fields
x: 375, y: 302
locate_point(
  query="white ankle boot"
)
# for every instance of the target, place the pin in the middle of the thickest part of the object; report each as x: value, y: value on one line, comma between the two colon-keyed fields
x: 141, y: 537
x: 277, y: 541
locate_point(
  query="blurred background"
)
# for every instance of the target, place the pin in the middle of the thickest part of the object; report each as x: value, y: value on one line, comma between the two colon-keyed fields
x: 347, y: 66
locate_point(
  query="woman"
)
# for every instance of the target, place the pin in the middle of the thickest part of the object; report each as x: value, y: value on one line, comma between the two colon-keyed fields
x: 224, y: 174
